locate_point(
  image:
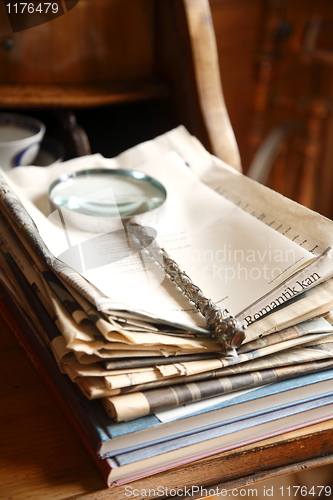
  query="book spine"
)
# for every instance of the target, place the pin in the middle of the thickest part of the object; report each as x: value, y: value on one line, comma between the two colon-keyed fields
x: 53, y: 380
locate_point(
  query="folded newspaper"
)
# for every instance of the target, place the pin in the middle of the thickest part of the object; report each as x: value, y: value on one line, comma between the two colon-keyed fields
x: 253, y: 252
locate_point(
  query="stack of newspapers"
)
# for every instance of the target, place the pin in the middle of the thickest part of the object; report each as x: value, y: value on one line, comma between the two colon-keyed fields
x: 131, y: 346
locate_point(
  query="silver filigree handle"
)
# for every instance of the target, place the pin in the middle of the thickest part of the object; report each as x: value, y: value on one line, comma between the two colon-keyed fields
x: 224, y: 327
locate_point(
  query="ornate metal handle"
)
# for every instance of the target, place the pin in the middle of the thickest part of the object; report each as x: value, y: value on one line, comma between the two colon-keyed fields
x: 223, y: 326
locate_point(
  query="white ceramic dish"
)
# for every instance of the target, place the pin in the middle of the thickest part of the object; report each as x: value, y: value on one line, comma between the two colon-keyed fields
x: 20, y: 139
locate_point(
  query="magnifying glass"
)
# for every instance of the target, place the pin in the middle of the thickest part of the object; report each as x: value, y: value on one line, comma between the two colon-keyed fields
x: 107, y: 193
x: 129, y: 194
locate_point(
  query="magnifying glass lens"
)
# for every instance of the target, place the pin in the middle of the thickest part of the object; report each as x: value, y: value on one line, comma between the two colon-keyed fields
x: 107, y: 193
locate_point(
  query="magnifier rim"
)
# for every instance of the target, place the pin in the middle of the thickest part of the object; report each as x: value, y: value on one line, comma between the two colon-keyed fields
x: 136, y: 174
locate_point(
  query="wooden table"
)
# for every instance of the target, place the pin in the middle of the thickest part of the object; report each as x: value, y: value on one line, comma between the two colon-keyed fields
x: 41, y: 457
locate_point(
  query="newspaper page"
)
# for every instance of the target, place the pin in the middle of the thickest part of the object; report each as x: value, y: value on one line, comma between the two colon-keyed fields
x: 313, y: 234
x: 198, y: 228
